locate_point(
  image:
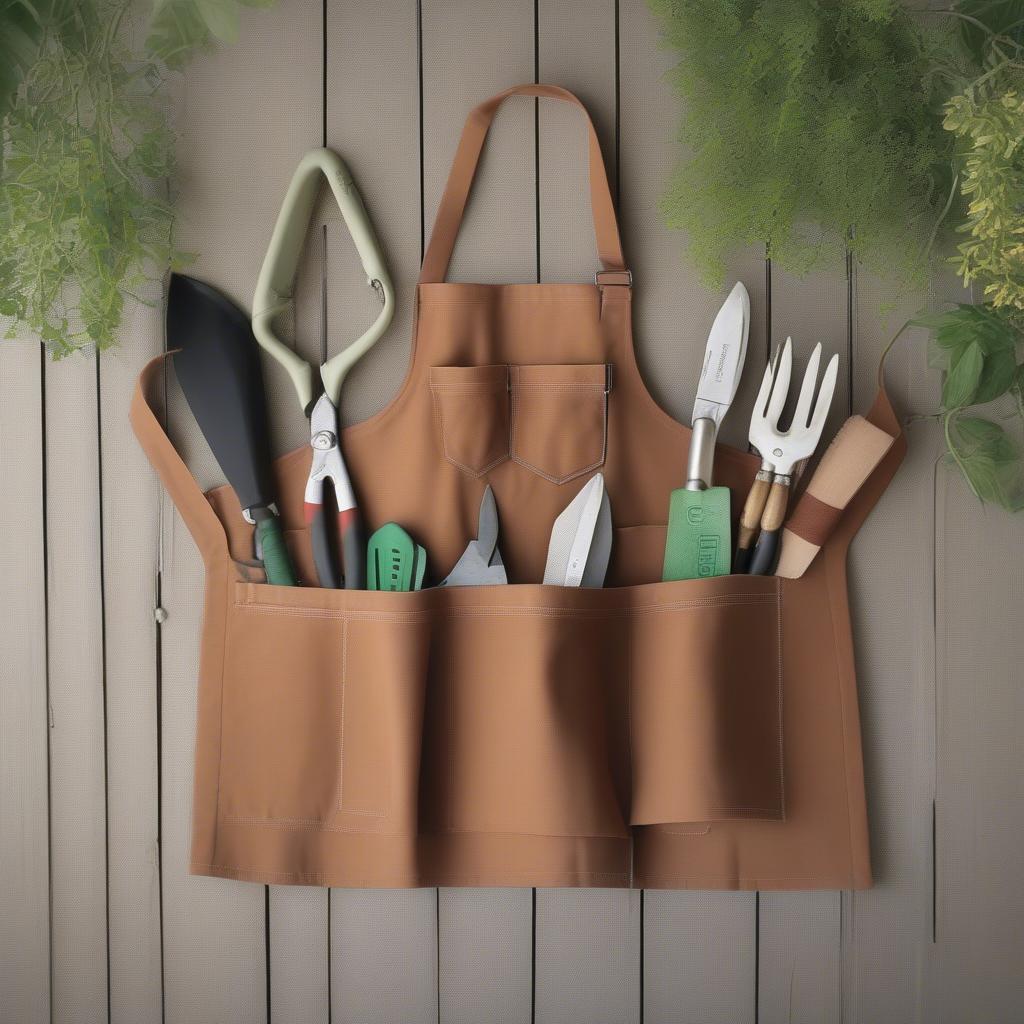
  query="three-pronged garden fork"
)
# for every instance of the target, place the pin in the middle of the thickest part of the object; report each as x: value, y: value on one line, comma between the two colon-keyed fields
x: 780, y: 451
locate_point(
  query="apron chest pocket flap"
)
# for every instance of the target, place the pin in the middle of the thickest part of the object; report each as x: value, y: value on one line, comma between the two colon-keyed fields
x: 550, y: 419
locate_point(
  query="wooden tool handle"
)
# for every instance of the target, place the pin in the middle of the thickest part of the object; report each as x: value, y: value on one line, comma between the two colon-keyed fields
x: 775, y: 509
x: 750, y: 519
x: 763, y: 560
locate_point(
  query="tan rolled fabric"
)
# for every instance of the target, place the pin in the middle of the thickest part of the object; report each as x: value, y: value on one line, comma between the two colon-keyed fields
x: 689, y: 734
x: 849, y: 460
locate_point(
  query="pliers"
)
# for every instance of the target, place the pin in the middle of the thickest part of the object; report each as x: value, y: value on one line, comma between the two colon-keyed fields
x: 319, y: 398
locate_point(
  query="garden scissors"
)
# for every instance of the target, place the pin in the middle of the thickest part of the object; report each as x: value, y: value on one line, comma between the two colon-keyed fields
x: 320, y: 394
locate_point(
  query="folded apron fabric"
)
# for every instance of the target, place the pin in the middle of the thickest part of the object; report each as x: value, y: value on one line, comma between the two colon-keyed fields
x: 693, y: 734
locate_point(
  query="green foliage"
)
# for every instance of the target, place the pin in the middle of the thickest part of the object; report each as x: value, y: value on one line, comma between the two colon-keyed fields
x: 81, y: 217
x: 804, y: 119
x: 21, y: 35
x: 180, y: 28
x: 984, y: 19
x: 978, y: 346
x: 85, y: 223
x: 988, y: 119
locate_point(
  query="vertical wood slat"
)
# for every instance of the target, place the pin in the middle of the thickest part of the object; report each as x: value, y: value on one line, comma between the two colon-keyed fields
x: 233, y: 172
x: 799, y: 953
x: 78, y: 813
x: 383, y: 942
x: 588, y: 940
x: 485, y: 939
x: 891, y: 593
x: 799, y: 934
x: 497, y: 243
x: 698, y: 950
x: 384, y: 956
x: 298, y: 917
x: 131, y: 540
x: 699, y: 957
x: 976, y: 961
x: 498, y: 240
x: 24, y: 798
x: 576, y: 50
x: 588, y: 956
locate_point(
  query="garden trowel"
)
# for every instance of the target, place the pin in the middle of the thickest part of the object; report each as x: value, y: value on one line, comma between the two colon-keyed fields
x: 218, y: 366
x: 699, y: 537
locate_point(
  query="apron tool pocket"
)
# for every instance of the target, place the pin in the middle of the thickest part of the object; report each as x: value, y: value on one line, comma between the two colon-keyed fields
x: 322, y: 712
x: 560, y: 418
x: 471, y: 412
x: 706, y: 702
x: 525, y: 720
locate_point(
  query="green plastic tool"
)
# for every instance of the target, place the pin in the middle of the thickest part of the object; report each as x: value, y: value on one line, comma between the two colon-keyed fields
x: 699, y: 537
x: 394, y: 561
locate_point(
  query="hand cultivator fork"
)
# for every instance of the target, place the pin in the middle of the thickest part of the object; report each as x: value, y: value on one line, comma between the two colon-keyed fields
x: 780, y: 451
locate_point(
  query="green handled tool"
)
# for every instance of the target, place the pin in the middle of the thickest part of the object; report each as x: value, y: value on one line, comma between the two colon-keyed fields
x: 218, y: 366
x: 699, y: 537
x: 394, y: 561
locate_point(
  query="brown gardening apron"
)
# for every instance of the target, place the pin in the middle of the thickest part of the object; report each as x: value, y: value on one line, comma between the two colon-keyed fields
x: 695, y: 734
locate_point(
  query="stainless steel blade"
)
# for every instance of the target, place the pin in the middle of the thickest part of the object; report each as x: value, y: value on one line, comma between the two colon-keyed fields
x: 724, y: 357
x: 572, y: 536
x: 600, y: 548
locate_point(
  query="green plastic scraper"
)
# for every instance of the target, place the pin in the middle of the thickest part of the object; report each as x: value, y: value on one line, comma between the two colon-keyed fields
x: 394, y: 561
x: 699, y: 538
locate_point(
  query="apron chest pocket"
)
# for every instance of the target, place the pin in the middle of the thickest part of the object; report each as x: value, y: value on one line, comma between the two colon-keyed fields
x: 471, y: 412
x: 560, y: 419
x: 550, y: 419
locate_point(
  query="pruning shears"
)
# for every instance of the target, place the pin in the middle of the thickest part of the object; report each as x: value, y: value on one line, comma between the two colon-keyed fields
x: 320, y: 394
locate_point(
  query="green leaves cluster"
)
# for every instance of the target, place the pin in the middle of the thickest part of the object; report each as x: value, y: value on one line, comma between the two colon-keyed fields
x: 85, y: 223
x: 988, y: 120
x: 977, y: 346
x: 818, y: 127
x: 801, y: 119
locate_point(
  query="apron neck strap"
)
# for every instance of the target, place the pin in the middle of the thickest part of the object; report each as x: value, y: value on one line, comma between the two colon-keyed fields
x: 460, y: 181
x: 188, y: 497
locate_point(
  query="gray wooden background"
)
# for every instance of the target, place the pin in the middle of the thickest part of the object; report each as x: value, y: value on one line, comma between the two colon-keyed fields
x: 99, y: 919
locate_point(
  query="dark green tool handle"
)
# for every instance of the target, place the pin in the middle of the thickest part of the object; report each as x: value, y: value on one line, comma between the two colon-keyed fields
x: 276, y: 560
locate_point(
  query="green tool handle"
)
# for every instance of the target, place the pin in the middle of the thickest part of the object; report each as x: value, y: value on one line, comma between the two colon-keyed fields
x: 276, y: 559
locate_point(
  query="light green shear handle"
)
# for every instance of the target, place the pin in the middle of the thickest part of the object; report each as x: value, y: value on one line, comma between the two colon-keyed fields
x: 276, y: 284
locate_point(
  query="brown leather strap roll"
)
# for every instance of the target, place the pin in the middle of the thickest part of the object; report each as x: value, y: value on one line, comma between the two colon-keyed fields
x: 460, y: 181
x: 813, y: 519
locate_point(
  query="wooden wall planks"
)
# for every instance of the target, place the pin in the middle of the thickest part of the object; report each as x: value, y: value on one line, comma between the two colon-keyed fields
x: 587, y: 943
x: 979, y: 929
x: 24, y: 715
x: 372, y: 119
x: 933, y: 596
x: 131, y: 549
x: 498, y: 242
x: 76, y: 668
x: 233, y: 172
x: 891, y: 584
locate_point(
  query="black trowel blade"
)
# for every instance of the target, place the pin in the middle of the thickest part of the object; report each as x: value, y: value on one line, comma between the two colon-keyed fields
x: 218, y: 367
